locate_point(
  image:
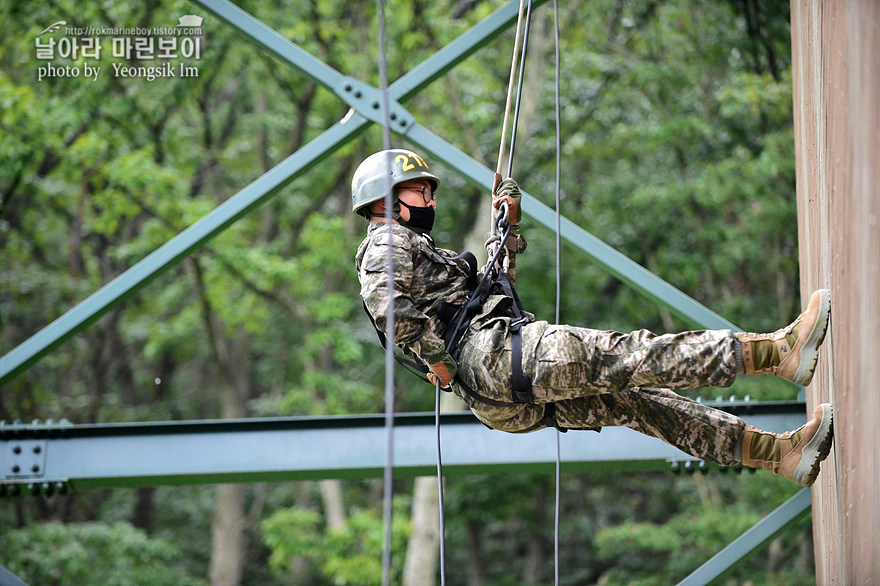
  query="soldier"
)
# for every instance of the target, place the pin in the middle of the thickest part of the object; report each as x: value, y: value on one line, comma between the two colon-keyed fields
x: 577, y: 378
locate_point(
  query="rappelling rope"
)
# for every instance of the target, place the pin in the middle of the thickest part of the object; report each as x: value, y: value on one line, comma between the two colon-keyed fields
x: 500, y: 229
x: 519, y: 56
x: 440, y: 487
x: 522, y: 69
x: 495, y: 237
x: 558, y: 279
x: 388, y: 487
x: 510, y: 86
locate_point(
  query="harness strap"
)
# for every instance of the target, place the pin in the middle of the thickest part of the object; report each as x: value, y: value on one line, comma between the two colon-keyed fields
x: 418, y: 369
x: 457, y: 325
x: 521, y: 383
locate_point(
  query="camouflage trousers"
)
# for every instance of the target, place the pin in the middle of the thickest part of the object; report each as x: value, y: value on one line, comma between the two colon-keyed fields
x: 596, y: 378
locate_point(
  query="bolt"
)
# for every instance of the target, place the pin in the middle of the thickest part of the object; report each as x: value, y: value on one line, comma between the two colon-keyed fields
x: 375, y: 105
x: 35, y: 468
x: 403, y: 122
x: 16, y: 449
x: 15, y: 468
x: 348, y: 87
x: 358, y: 94
x: 37, y: 449
x: 393, y: 116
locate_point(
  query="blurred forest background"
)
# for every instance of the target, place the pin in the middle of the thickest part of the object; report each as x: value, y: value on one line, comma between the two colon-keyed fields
x: 678, y: 151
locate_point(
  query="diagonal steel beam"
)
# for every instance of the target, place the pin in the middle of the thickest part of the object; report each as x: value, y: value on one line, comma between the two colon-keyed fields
x: 620, y: 265
x: 7, y: 578
x: 787, y: 513
x: 362, y: 97
x: 264, y: 37
x: 166, y: 256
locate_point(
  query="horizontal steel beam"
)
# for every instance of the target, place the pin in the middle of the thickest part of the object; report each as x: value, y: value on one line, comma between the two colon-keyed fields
x: 290, y: 448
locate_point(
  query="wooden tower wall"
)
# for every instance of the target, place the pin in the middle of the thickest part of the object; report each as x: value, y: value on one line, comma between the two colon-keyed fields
x: 836, y: 71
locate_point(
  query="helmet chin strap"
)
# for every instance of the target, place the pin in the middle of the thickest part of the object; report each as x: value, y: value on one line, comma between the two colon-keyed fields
x: 395, y: 213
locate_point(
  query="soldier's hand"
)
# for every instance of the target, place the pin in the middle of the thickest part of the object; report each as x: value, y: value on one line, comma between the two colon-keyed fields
x: 508, y: 192
x: 441, y: 373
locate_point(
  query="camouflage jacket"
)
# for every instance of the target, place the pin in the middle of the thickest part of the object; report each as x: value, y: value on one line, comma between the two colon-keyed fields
x: 424, y: 275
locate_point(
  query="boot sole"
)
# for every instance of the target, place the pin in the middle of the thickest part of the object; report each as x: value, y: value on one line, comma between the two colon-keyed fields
x: 809, y: 353
x: 816, y: 450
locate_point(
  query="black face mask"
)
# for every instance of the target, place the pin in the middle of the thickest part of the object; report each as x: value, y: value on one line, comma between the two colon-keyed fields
x: 420, y: 219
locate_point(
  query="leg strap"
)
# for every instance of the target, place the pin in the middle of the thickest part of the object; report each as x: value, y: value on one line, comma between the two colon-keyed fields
x: 521, y: 383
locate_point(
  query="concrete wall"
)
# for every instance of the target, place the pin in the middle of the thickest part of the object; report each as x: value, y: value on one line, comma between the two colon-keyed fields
x: 836, y: 61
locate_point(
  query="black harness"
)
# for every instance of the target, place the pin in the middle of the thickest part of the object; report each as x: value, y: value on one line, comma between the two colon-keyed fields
x: 458, y: 318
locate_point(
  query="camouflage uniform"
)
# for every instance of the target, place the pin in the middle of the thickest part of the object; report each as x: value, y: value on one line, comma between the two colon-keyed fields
x: 591, y: 378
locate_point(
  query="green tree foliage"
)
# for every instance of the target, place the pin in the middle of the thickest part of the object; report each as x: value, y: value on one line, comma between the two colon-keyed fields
x: 348, y: 555
x: 92, y: 553
x: 677, y: 150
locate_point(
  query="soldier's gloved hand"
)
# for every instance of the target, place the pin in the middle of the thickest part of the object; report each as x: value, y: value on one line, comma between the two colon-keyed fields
x: 508, y: 192
x: 439, y: 372
x: 443, y: 371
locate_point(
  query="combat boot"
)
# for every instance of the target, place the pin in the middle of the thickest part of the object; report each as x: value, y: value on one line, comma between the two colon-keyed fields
x: 792, y: 352
x: 794, y: 455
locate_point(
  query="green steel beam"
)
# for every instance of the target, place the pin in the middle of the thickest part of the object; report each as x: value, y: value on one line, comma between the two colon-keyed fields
x: 360, y: 96
x: 267, y: 39
x: 764, y: 530
x: 7, y: 578
x: 295, y: 448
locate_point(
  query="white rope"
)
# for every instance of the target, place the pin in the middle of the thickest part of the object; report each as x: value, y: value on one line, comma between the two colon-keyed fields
x: 388, y: 487
x: 510, y: 84
x: 440, y: 488
x: 558, y: 284
x: 522, y: 68
x: 495, y: 240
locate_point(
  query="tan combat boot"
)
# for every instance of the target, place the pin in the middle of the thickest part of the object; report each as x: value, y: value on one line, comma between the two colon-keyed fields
x: 794, y: 455
x: 792, y: 352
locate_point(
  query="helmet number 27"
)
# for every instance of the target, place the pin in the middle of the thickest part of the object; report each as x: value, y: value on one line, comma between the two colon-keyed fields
x: 407, y: 164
